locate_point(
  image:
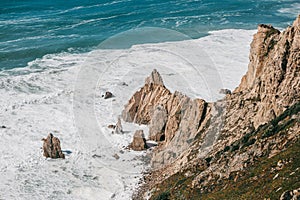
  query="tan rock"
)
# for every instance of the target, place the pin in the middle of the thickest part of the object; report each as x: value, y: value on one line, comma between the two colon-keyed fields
x: 129, y: 112
x: 167, y: 114
x: 154, y: 79
x: 271, y: 79
x: 141, y: 105
x: 158, y: 124
x: 119, y: 128
x: 195, y: 130
x: 139, y: 141
x: 51, y: 147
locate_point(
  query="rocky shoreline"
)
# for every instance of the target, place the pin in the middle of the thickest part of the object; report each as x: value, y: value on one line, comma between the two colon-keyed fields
x: 208, y: 147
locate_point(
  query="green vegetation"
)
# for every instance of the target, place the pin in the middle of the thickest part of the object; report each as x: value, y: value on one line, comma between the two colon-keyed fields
x: 208, y: 159
x: 285, y: 119
x: 163, y: 196
x: 227, y: 148
x: 257, y: 181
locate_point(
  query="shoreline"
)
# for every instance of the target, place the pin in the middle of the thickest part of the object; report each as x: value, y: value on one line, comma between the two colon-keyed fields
x: 211, y: 149
x: 95, y: 48
x: 31, y: 99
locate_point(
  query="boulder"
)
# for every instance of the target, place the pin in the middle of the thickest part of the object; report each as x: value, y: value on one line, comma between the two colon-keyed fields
x: 51, y: 147
x: 116, y: 156
x: 139, y: 141
x: 111, y: 126
x: 108, y: 95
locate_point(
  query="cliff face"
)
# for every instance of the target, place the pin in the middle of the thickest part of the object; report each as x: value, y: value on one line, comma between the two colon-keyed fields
x: 271, y: 84
x: 208, y: 146
x: 273, y: 72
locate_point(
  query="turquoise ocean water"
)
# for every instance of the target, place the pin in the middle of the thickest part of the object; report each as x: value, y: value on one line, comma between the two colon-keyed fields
x: 30, y: 29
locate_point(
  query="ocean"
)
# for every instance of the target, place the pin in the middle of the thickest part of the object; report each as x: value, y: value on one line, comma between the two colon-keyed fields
x: 32, y: 29
x: 57, y: 59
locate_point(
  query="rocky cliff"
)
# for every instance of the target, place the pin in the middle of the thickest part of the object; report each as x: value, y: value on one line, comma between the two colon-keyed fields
x: 243, y: 143
x: 173, y: 119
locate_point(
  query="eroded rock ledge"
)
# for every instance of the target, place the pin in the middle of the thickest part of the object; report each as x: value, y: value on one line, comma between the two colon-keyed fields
x: 205, y: 145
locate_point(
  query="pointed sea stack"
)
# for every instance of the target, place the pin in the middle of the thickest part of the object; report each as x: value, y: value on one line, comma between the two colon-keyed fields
x: 51, y: 147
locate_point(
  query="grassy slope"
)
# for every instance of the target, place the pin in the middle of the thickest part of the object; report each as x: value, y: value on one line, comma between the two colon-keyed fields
x: 257, y: 182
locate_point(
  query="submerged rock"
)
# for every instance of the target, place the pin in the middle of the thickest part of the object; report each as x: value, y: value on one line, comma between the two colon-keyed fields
x: 51, y: 147
x: 139, y: 141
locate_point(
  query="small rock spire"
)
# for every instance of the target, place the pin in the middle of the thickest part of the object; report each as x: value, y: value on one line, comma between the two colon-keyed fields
x: 51, y: 147
x: 297, y: 22
x: 154, y: 78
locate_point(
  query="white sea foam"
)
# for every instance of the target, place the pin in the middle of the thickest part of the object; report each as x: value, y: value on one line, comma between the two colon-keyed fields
x: 291, y: 11
x: 38, y: 99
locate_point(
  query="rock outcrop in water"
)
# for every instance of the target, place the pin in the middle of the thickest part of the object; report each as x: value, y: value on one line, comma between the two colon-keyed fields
x: 139, y: 141
x: 51, y: 147
x: 215, y: 149
x: 107, y: 95
x: 166, y: 114
x: 119, y: 128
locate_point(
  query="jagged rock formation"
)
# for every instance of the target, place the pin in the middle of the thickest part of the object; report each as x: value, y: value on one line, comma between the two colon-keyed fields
x: 51, y: 147
x: 141, y: 105
x: 167, y: 114
x: 211, y: 146
x: 273, y: 73
x: 139, y: 141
